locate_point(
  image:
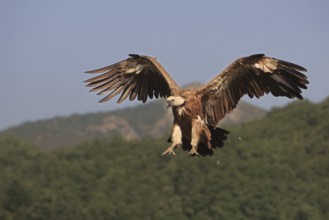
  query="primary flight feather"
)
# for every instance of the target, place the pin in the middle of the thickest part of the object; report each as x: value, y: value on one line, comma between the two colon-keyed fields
x: 197, y: 112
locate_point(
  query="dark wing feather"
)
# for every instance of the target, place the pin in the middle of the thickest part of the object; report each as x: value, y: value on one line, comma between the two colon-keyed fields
x: 255, y: 75
x: 138, y: 76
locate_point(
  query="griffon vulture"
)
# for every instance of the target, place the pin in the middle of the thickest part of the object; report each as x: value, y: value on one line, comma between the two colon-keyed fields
x: 197, y: 112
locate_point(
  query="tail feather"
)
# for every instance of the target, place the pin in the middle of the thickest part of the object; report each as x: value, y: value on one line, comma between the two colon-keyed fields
x: 218, y: 136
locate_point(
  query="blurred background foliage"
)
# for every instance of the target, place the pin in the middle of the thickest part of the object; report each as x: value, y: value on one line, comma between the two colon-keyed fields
x: 273, y: 168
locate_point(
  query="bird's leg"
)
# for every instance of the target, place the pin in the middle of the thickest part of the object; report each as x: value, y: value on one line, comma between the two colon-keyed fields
x: 194, y: 144
x: 195, y: 137
x: 176, y: 138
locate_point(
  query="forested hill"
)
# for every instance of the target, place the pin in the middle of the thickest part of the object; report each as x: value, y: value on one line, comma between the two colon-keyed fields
x: 272, y: 168
x: 146, y: 120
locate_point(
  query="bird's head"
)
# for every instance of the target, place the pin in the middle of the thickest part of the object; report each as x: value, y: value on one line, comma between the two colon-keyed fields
x: 175, y: 101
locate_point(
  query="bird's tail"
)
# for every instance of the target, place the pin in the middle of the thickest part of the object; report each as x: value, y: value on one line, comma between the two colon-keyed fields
x: 218, y: 136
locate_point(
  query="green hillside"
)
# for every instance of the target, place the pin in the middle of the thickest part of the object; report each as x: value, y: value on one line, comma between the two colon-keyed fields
x: 273, y: 168
x: 146, y: 120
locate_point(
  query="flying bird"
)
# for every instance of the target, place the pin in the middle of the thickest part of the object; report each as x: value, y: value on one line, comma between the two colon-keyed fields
x: 197, y: 112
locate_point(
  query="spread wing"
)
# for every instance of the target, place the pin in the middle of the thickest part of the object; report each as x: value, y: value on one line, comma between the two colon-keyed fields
x: 255, y: 75
x: 138, y: 76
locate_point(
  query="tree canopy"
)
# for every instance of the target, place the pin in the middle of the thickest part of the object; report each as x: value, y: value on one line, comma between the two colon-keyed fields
x: 273, y: 168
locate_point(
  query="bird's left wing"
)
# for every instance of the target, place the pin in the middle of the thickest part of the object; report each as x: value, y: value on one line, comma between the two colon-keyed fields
x: 253, y: 75
x: 138, y: 76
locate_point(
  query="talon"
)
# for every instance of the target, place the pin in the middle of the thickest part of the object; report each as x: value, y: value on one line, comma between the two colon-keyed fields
x: 168, y: 151
x: 193, y: 152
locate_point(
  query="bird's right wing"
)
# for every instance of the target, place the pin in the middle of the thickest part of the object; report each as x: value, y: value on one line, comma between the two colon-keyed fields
x: 138, y: 76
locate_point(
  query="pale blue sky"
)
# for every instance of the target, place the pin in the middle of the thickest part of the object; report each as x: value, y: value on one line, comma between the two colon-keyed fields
x: 45, y: 46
